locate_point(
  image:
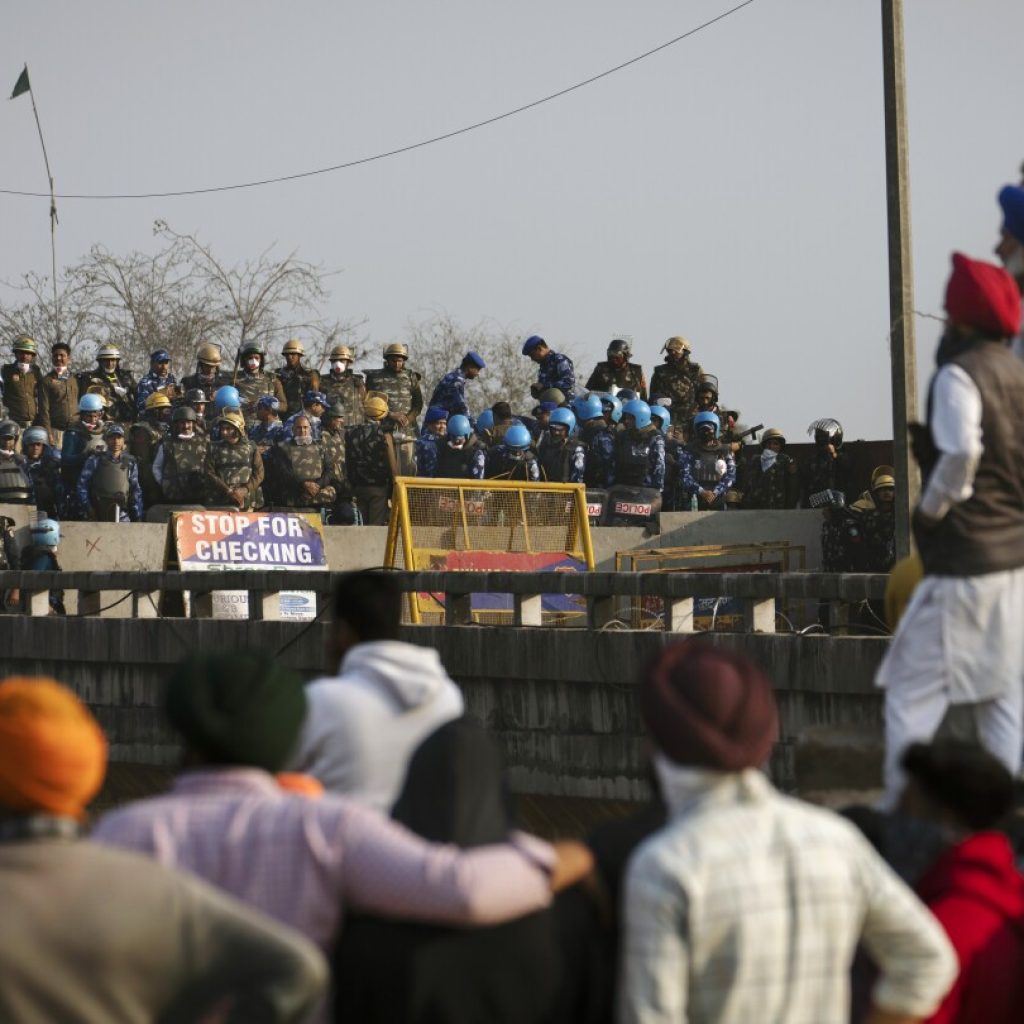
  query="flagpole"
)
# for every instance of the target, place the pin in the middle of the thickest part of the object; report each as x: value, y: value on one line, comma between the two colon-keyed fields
x: 53, y: 206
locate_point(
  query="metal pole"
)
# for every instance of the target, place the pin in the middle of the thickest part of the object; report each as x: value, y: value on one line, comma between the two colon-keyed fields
x: 901, y: 270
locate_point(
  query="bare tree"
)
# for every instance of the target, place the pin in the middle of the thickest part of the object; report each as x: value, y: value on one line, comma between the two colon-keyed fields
x: 32, y: 312
x: 438, y: 344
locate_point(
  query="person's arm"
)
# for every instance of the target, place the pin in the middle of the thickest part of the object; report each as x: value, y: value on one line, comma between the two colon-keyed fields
x: 654, y: 954
x: 256, y: 480
x: 236, y: 958
x: 956, y: 431
x: 914, y: 957
x: 134, y: 492
x: 657, y: 464
x: 390, y: 871
x: 728, y: 478
x: 158, y: 466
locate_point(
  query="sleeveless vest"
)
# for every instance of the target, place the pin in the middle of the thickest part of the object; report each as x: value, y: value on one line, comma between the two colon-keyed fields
x: 15, y: 482
x: 183, y: 468
x: 233, y: 462
x: 110, y: 481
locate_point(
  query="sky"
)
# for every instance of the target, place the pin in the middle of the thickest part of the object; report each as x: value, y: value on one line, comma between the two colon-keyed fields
x: 730, y: 188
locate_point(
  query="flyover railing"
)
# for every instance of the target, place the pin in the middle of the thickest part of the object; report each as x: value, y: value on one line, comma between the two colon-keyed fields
x: 669, y: 599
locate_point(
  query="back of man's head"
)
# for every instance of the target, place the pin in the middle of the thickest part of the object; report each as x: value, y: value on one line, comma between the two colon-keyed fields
x: 502, y: 412
x: 960, y: 779
x: 369, y: 604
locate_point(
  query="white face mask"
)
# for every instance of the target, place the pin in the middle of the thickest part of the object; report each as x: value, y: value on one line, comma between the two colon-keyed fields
x: 252, y: 362
x: 768, y: 458
x: 24, y: 367
x: 338, y: 366
x: 185, y: 437
x: 1015, y: 264
x: 303, y: 441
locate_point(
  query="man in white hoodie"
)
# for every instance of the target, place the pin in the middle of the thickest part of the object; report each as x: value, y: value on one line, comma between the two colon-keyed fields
x: 363, y: 724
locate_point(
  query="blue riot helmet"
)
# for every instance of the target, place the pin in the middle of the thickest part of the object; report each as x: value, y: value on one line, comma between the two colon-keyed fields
x: 614, y: 404
x: 90, y: 403
x: 517, y: 436
x: 640, y: 411
x: 313, y: 397
x: 35, y: 435
x: 708, y: 418
x: 227, y: 397
x: 485, y: 421
x: 45, y: 533
x: 588, y: 408
x: 664, y: 415
x: 458, y: 426
x: 563, y: 418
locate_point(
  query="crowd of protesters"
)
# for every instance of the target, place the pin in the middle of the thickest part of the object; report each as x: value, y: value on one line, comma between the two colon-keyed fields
x: 346, y: 850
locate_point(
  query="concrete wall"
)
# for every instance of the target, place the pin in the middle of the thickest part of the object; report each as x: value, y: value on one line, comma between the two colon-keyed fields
x: 562, y: 702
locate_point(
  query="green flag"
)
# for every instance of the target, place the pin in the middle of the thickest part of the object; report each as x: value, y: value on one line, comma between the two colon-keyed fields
x: 21, y: 85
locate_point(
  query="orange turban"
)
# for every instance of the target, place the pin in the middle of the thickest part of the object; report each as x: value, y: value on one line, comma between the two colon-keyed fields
x: 53, y: 754
x: 903, y: 579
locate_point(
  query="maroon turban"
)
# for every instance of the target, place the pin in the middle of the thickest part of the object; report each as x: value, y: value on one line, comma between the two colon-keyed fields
x: 983, y: 296
x: 709, y: 708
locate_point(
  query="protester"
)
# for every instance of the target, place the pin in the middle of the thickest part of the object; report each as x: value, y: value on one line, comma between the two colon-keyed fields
x: 93, y: 934
x: 749, y: 905
x: 363, y: 724
x: 389, y: 972
x: 960, y: 641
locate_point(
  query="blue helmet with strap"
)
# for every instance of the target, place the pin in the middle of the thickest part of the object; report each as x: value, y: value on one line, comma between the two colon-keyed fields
x: 563, y: 418
x: 664, y: 415
x: 640, y: 411
x: 708, y: 418
x: 485, y: 421
x: 517, y: 436
x: 458, y: 426
x: 614, y: 405
x: 588, y: 408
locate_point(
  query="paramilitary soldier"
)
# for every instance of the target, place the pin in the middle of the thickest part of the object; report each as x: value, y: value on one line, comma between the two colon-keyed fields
x: 554, y: 370
x: 253, y: 380
x: 144, y: 439
x: 180, y: 460
x: 108, y: 487
x: 43, y: 465
x: 300, y: 470
x: 16, y: 487
x: 295, y: 378
x: 676, y: 379
x: 562, y: 458
x: 21, y: 381
x: 207, y: 377
x: 343, y: 385
x: 461, y: 456
x: 772, y: 479
x: 116, y: 385
x: 58, y: 392
x: 618, y: 372
x: 368, y: 460
x: 400, y: 385
x: 233, y: 466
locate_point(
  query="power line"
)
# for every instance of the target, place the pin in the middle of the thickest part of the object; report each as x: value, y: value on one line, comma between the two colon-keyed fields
x: 401, y: 149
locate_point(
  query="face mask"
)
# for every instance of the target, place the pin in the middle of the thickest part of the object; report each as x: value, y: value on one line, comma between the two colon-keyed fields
x: 23, y: 367
x: 1015, y: 264
x: 768, y: 458
x: 303, y: 441
x: 457, y: 443
x: 338, y: 366
x: 253, y: 363
x: 185, y: 437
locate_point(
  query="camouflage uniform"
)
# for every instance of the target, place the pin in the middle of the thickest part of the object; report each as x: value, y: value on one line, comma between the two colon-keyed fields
x: 563, y: 462
x: 143, y: 440
x: 369, y: 471
x: 606, y: 376
x: 403, y: 390
x: 678, y: 382
x: 180, y: 464
x: 556, y: 371
x: 450, y: 393
x: 599, y: 443
x: 505, y: 463
x: 20, y: 391
x: 294, y: 466
x: 122, y: 407
x: 58, y: 400
x: 333, y: 441
x: 151, y: 383
x: 295, y: 383
x: 778, y: 486
x: 822, y: 472
x: 94, y: 496
x: 236, y: 466
x: 640, y: 458
x: 266, y: 434
x: 253, y: 386
x: 348, y: 388
x: 705, y: 469
x: 208, y: 385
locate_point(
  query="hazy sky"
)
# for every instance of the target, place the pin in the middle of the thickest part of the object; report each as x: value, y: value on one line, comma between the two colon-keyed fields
x: 730, y: 188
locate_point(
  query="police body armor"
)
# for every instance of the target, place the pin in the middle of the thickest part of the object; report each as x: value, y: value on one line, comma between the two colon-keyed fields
x: 77, y: 446
x: 295, y: 383
x: 305, y: 462
x: 398, y: 387
x: 183, y: 468
x: 120, y: 409
x: 350, y: 390
x: 515, y: 464
x: 251, y: 388
x: 233, y: 462
x: 15, y: 481
x: 711, y: 465
x: 554, y: 461
x: 595, y: 465
x: 632, y: 460
x: 208, y: 385
x: 454, y: 463
x: 46, y: 479
x: 333, y: 445
x: 108, y: 488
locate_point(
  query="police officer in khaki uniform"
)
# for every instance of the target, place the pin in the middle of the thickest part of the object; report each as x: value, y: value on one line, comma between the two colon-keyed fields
x: 618, y: 372
x: 21, y: 381
x: 342, y: 384
x: 295, y: 378
x: 58, y: 393
x: 401, y: 386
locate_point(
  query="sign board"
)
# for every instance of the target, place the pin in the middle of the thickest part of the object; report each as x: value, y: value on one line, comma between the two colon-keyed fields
x: 216, y: 541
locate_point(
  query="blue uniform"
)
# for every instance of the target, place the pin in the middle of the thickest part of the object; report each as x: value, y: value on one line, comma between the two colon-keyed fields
x: 640, y: 458
x: 563, y: 463
x: 557, y: 371
x: 152, y: 382
x: 600, y: 445
x: 428, y: 448
x: 133, y: 511
x: 450, y: 394
x: 266, y: 433
x: 708, y: 469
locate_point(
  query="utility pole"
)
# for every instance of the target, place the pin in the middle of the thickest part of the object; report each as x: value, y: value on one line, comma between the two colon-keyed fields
x: 902, y: 349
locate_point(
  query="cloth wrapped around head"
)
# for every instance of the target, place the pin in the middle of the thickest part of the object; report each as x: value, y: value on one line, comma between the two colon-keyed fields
x: 53, y: 754
x: 707, y: 707
x: 237, y: 709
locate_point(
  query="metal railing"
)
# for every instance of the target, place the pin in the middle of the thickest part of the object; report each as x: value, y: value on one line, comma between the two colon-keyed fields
x: 600, y: 594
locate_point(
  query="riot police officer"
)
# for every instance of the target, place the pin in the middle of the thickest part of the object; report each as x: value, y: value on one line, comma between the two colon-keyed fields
x: 428, y: 444
x: 158, y: 380
x: 461, y: 456
x: 618, y: 372
x: 677, y: 379
x: 253, y: 380
x: 144, y: 438
x: 300, y: 471
x: 639, y: 449
x: 450, y: 393
x: 598, y: 442
x: 108, y: 487
x: 233, y: 466
x: 207, y: 377
x: 342, y: 384
x: 369, y: 461
x: 115, y: 384
x: 400, y: 385
x: 554, y: 370
x: 268, y: 428
x: 43, y: 465
x: 772, y: 479
x: 180, y: 461
x: 83, y: 436
x: 562, y: 458
x: 707, y: 470
x: 16, y: 487
x: 514, y: 458
x: 828, y: 469
x: 295, y: 378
